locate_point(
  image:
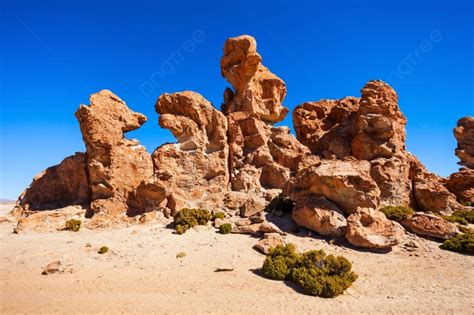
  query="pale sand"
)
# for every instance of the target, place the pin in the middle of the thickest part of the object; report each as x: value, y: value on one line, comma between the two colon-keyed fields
x: 141, y: 274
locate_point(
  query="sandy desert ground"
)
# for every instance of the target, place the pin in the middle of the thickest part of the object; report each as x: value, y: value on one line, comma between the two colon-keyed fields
x: 141, y: 274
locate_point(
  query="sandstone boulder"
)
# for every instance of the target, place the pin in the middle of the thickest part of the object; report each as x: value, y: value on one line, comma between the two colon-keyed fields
x: 116, y: 166
x: 58, y: 186
x: 48, y: 220
x: 319, y: 214
x: 462, y: 185
x: 346, y: 183
x: 370, y: 228
x: 269, y: 240
x: 430, y: 225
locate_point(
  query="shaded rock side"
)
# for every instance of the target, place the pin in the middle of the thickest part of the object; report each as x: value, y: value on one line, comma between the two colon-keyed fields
x: 116, y: 166
x: 58, y: 186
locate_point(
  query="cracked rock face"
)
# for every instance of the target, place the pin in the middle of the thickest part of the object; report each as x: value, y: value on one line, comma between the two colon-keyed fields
x: 116, y: 166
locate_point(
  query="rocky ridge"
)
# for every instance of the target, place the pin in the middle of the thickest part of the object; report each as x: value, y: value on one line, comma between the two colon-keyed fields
x: 348, y: 160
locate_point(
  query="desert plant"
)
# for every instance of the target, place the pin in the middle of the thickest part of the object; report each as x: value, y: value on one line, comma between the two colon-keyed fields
x: 461, y: 243
x: 180, y: 255
x: 73, y: 225
x: 103, y: 250
x: 463, y: 217
x: 225, y: 228
x: 397, y: 213
x: 280, y: 204
x: 218, y: 215
x: 187, y: 218
x: 316, y: 273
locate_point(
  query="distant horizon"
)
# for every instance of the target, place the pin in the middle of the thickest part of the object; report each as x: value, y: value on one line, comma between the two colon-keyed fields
x: 59, y: 54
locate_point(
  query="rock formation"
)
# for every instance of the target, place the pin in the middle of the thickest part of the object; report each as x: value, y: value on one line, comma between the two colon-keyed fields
x: 462, y: 183
x: 116, y: 166
x: 195, y: 170
x: 348, y: 159
x: 260, y: 155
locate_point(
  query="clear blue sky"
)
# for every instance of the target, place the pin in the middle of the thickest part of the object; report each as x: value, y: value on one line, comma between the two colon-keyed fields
x: 55, y: 54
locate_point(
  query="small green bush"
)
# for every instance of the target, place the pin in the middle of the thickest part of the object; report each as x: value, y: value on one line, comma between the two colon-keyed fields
x: 316, y: 273
x: 280, y: 203
x: 218, y: 215
x: 397, y: 213
x: 180, y: 255
x: 463, y: 217
x: 103, y: 250
x: 187, y: 218
x: 466, y: 203
x: 225, y: 228
x: 461, y: 243
x: 73, y: 225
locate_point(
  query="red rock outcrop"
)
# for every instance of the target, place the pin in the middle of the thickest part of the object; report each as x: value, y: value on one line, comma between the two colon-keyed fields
x: 116, y: 166
x: 462, y: 185
x: 58, y: 186
x: 260, y: 155
x: 194, y: 170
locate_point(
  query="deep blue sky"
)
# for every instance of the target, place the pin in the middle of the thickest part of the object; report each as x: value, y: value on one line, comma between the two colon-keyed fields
x: 55, y: 54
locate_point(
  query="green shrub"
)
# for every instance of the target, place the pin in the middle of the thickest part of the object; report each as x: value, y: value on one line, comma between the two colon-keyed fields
x: 466, y: 203
x: 455, y: 219
x: 180, y: 255
x: 187, y: 218
x: 73, y: 225
x: 461, y: 243
x: 397, y: 213
x: 218, y: 215
x: 225, y: 228
x: 103, y: 250
x: 316, y: 273
x: 280, y: 203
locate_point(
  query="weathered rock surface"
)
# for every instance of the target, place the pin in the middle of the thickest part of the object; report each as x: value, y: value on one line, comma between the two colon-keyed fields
x: 430, y: 225
x: 346, y: 183
x: 326, y: 126
x: 256, y: 89
x: 195, y: 169
x: 464, y: 133
x: 58, y: 186
x: 319, y: 214
x: 53, y: 267
x: 370, y: 228
x: 116, y: 166
x: 380, y: 125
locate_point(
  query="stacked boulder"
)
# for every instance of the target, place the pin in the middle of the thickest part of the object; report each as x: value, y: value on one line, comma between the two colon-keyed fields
x: 348, y: 160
